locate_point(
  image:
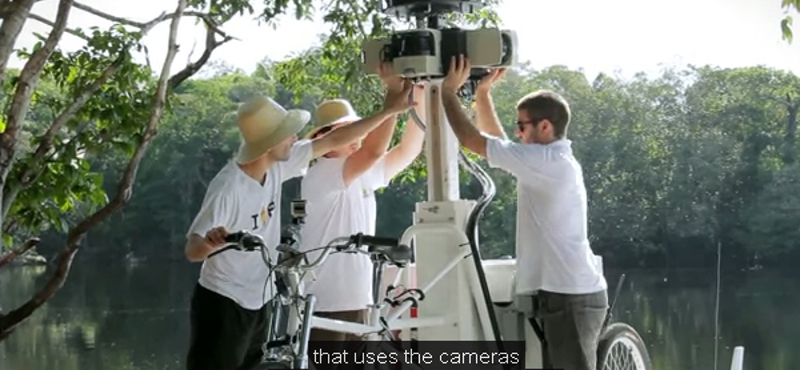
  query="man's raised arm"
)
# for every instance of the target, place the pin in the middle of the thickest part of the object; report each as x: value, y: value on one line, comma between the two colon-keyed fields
x: 485, y: 113
x: 349, y: 133
x: 404, y: 153
x: 377, y: 142
x: 465, y: 132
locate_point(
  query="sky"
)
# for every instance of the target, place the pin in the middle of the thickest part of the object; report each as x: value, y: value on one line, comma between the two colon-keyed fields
x: 617, y: 37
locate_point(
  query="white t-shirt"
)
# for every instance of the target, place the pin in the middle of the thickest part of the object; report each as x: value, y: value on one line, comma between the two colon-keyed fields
x: 239, y: 202
x: 344, y: 281
x: 553, y: 251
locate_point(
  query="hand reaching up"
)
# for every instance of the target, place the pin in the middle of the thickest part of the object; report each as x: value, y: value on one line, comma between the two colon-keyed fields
x: 398, y: 101
x: 487, y: 81
x: 457, y: 75
x: 392, y: 81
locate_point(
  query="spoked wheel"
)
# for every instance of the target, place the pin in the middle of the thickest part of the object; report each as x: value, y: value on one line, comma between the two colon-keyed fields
x: 273, y: 366
x: 621, y: 348
x: 278, y: 366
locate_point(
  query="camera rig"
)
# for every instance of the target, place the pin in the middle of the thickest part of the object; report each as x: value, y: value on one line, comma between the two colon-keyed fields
x: 424, y: 53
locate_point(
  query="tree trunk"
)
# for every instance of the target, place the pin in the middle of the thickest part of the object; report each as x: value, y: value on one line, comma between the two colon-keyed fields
x: 13, y: 20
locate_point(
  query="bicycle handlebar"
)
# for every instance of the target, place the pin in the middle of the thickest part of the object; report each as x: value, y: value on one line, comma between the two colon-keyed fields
x: 242, y: 241
x: 374, y: 241
x: 376, y: 245
x: 388, y: 247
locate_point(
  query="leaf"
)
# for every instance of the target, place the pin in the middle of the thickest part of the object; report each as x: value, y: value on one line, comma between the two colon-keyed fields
x: 786, y: 28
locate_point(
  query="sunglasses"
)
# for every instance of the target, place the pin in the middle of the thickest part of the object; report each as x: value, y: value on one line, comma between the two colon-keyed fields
x: 521, y: 124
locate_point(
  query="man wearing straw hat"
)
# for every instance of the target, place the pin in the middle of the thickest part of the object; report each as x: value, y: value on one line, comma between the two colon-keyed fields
x: 340, y: 193
x: 228, y: 308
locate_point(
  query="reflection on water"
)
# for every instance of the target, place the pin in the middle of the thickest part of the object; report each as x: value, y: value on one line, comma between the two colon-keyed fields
x: 113, y: 317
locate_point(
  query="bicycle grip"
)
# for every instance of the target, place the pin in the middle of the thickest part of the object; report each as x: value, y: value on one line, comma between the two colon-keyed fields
x: 234, y: 237
x: 378, y: 241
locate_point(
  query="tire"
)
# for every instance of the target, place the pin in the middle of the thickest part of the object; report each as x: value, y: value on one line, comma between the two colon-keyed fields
x: 278, y: 366
x: 272, y: 366
x: 620, y: 338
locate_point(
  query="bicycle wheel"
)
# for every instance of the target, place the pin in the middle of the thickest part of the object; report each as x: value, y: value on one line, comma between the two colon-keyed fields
x: 621, y: 348
x: 278, y: 366
x: 273, y: 366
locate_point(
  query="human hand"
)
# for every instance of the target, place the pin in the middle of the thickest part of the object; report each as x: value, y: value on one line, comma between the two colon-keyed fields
x: 391, y: 80
x: 487, y: 81
x: 397, y: 101
x: 216, y: 237
x: 457, y: 75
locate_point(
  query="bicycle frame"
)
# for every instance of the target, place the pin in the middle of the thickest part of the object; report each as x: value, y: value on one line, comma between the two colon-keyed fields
x: 374, y: 328
x: 393, y: 321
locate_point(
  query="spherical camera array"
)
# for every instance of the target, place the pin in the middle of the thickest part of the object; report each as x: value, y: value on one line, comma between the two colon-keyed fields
x: 424, y: 53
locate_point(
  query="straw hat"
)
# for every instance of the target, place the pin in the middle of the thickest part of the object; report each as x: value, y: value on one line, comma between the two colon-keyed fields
x: 263, y: 123
x: 333, y: 112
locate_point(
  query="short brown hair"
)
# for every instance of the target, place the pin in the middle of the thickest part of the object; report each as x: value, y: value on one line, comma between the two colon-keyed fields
x: 544, y: 104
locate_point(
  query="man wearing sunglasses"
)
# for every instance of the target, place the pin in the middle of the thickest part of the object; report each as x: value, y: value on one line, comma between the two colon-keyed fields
x: 556, y: 267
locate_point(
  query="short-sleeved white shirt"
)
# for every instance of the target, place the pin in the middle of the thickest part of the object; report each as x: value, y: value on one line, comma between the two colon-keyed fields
x: 344, y: 281
x: 552, y: 246
x: 239, y: 202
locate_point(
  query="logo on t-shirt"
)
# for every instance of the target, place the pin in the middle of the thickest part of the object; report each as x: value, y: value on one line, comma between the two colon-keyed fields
x: 264, y: 215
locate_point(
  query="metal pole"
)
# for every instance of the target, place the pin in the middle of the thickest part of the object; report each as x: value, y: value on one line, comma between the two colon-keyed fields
x: 441, y: 149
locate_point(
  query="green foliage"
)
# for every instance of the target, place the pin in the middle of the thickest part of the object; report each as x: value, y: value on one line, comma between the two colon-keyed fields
x: 111, y: 119
x: 786, y: 22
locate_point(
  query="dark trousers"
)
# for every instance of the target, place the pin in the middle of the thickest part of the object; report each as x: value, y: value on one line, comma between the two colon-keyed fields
x: 224, y: 336
x: 333, y: 342
x: 571, y: 325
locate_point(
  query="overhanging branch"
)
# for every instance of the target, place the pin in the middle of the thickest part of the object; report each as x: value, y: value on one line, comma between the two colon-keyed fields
x: 194, y: 67
x: 145, y: 26
x: 48, y: 22
x: 14, y: 253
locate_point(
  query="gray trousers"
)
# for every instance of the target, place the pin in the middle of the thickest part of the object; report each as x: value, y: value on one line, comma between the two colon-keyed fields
x: 571, y: 324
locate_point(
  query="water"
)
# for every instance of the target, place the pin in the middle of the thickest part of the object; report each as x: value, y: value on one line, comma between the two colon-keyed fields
x: 118, y: 317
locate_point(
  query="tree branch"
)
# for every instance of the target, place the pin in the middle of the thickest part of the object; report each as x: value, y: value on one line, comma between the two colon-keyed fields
x: 15, y: 14
x: 146, y: 26
x: 192, y: 68
x: 46, y: 21
x: 76, y: 235
x: 12, y: 254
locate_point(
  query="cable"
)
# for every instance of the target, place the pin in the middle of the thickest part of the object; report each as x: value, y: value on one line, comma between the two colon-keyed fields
x: 489, y: 191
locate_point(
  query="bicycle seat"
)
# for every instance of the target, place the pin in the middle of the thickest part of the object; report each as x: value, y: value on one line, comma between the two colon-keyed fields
x: 400, y: 254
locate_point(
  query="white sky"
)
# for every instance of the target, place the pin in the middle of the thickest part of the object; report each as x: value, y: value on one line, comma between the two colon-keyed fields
x: 611, y: 36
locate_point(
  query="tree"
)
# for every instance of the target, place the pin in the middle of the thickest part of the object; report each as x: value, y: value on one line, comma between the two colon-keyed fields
x: 94, y: 82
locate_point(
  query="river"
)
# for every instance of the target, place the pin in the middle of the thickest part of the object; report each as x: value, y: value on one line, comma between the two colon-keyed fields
x: 112, y: 316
